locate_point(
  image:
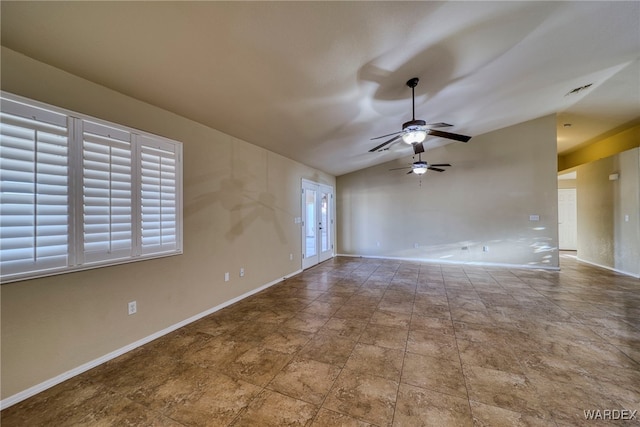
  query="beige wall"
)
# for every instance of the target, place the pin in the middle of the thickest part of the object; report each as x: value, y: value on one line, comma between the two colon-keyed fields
x: 595, y: 213
x: 240, y: 202
x: 497, y: 180
x: 606, y: 237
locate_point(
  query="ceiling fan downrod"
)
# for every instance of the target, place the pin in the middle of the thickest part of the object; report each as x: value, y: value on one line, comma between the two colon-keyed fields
x: 412, y: 83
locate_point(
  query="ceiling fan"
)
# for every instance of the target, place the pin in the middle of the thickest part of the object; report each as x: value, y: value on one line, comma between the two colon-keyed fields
x: 415, y: 131
x: 420, y: 167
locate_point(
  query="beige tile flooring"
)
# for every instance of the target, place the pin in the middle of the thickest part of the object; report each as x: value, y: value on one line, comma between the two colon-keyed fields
x: 359, y: 342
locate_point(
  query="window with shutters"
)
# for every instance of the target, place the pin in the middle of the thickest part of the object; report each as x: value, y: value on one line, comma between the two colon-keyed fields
x: 78, y: 193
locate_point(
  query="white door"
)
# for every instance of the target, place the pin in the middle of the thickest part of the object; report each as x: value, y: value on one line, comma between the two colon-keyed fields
x: 317, y: 223
x: 567, y: 219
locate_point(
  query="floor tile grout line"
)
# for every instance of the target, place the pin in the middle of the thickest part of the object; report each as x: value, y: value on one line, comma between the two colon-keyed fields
x: 404, y: 355
x: 462, y: 369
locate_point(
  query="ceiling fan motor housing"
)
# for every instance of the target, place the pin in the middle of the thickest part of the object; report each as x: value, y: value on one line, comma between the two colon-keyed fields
x: 414, y: 125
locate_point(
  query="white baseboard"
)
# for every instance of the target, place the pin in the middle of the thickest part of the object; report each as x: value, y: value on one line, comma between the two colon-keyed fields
x: 471, y: 263
x: 31, y: 391
x: 626, y: 273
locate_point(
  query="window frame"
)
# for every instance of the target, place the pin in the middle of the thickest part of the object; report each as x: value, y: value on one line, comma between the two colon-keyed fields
x: 139, y: 141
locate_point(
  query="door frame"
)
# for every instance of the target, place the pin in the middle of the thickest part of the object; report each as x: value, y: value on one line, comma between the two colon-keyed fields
x: 321, y: 228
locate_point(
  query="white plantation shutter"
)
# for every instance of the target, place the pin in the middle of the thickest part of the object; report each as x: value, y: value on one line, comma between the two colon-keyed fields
x: 106, y: 189
x: 159, y: 202
x: 34, y: 217
x: 78, y: 192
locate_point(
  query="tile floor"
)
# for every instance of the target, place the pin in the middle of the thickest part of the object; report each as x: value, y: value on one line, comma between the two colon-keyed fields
x: 361, y: 342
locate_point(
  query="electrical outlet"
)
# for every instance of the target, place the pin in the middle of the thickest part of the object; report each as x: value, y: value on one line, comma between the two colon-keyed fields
x: 133, y: 307
x: 226, y: 277
x: 485, y: 249
x: 241, y: 272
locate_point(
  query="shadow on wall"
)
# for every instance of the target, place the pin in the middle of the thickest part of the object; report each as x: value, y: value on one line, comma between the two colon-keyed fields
x: 243, y: 207
x: 262, y: 207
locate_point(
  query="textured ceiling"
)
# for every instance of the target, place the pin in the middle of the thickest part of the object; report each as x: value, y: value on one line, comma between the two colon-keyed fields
x: 314, y: 81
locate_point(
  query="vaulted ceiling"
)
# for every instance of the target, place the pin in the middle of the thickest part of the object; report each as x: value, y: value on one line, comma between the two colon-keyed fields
x: 314, y: 81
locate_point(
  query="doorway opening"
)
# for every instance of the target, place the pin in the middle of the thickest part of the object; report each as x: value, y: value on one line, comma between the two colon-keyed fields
x: 567, y: 212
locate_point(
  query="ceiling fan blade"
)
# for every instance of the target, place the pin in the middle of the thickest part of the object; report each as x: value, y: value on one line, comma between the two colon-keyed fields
x: 435, y: 169
x: 418, y: 148
x: 439, y: 164
x: 449, y: 135
x: 410, y: 172
x: 438, y: 125
x: 384, y: 143
x: 397, y: 169
x: 384, y: 136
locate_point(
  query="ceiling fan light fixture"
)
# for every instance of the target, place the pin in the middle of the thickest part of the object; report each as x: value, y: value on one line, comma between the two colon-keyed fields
x: 414, y: 136
x: 420, y: 171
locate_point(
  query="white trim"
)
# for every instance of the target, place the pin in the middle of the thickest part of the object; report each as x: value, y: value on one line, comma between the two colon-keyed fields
x: 38, y: 388
x: 626, y: 273
x: 442, y: 261
x: 85, y: 266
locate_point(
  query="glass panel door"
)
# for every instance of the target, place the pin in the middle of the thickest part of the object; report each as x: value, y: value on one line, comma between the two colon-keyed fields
x: 317, y: 224
x: 324, y: 206
x: 310, y: 224
x: 325, y: 199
